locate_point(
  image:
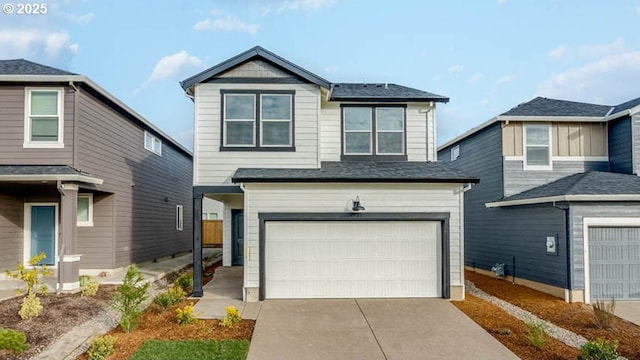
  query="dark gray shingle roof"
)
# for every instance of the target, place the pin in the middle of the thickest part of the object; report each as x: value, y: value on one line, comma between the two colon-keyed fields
x: 26, y: 67
x: 39, y: 170
x: 541, y: 106
x: 626, y: 105
x: 589, y: 183
x: 358, y: 171
x: 381, y: 92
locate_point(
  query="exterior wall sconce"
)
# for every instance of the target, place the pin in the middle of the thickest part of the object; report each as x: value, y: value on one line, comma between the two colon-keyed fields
x: 357, y: 206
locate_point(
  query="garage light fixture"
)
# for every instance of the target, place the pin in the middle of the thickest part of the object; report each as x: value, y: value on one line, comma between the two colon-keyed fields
x: 356, y: 204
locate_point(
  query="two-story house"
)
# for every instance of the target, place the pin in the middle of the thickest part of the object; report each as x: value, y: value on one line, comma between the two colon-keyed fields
x: 559, y: 200
x: 330, y: 190
x: 84, y: 178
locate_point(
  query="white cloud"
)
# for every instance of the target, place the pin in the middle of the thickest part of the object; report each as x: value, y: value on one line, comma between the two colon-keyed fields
x: 563, y: 52
x: 609, y: 80
x: 305, y: 4
x: 172, y: 65
x: 35, y: 43
x: 475, y: 77
x: 638, y: 10
x: 559, y: 52
x: 505, y: 79
x: 228, y: 23
x: 81, y: 19
x: 456, y: 69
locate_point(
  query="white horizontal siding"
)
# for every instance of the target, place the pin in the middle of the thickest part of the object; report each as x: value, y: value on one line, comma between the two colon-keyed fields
x: 212, y: 167
x: 336, y: 198
x: 330, y: 131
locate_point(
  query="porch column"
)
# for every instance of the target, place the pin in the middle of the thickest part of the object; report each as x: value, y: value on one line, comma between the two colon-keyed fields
x: 69, y: 260
x: 197, y: 244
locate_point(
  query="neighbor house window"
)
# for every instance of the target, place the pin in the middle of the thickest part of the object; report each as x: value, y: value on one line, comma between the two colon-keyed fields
x: 85, y: 210
x: 210, y: 216
x: 258, y: 120
x: 373, y: 131
x: 152, y: 143
x: 179, y: 217
x: 537, y: 144
x: 455, y: 152
x: 43, y: 125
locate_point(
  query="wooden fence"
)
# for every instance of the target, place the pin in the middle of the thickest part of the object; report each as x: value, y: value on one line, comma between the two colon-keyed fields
x: 212, y: 233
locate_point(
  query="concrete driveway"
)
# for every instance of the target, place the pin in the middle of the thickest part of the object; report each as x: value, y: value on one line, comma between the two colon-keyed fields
x: 628, y: 310
x: 369, y: 329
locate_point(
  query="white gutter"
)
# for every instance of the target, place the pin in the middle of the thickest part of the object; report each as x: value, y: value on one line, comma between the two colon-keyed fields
x: 44, y: 177
x: 100, y: 90
x: 558, y: 198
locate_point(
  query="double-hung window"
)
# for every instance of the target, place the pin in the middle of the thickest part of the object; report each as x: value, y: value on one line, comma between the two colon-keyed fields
x: 537, y: 147
x: 373, y: 132
x: 258, y: 120
x: 44, y: 123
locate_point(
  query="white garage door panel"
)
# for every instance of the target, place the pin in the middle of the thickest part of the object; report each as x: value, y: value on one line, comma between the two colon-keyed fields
x: 340, y: 259
x: 614, y: 263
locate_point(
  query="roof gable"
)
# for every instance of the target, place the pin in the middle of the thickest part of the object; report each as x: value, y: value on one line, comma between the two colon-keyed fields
x: 253, y: 54
x: 26, y: 67
x: 541, y: 106
x: 381, y: 92
x: 626, y: 105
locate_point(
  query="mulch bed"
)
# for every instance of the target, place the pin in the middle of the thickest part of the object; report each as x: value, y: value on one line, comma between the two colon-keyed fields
x: 576, y: 317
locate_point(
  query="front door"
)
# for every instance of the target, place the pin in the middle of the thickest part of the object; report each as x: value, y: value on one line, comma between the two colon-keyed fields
x: 43, y: 232
x: 237, y: 237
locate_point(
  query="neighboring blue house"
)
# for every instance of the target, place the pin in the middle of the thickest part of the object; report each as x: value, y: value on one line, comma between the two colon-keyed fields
x: 558, y: 201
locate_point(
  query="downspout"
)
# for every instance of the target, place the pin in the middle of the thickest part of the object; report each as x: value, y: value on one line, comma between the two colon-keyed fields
x: 567, y: 235
x: 61, y: 248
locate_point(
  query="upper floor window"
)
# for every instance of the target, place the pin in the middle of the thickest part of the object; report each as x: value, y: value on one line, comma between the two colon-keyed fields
x: 373, y: 132
x: 455, y: 152
x: 258, y: 120
x: 44, y: 123
x: 152, y: 143
x: 537, y: 147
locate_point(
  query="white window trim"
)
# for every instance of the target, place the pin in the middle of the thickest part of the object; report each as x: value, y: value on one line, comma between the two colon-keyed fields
x: 179, y: 217
x: 345, y: 131
x: 27, y: 232
x: 27, y: 120
x: 89, y: 222
x: 402, y: 131
x: 453, y: 151
x: 252, y: 120
x: 290, y: 121
x: 154, y: 140
x: 524, y: 148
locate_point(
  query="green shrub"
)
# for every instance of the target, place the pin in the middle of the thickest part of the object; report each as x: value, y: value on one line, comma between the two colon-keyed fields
x: 603, y: 313
x: 185, y: 315
x: 129, y: 298
x: 32, y: 275
x: 537, y: 335
x: 185, y: 281
x: 232, y: 317
x: 91, y: 287
x: 13, y: 340
x: 599, y: 350
x: 170, y: 297
x: 30, y: 307
x: 101, y: 347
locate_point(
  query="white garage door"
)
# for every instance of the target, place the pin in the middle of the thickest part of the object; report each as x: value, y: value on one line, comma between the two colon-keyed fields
x: 352, y: 259
x: 614, y: 263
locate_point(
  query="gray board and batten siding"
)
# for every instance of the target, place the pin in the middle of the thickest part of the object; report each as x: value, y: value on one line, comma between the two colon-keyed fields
x: 494, y: 235
x: 111, y: 147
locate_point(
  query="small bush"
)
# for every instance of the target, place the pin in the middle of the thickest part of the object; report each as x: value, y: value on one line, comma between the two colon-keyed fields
x: 13, y: 340
x: 31, y: 275
x: 233, y: 316
x: 185, y: 315
x: 101, y: 347
x: 537, y: 335
x: 129, y: 298
x: 30, y: 307
x: 185, y: 281
x: 169, y: 297
x: 603, y: 313
x: 599, y: 350
x: 91, y: 287
x: 505, y: 331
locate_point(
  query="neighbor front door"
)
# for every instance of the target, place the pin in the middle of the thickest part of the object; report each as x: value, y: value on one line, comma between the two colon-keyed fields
x: 237, y: 237
x: 43, y: 232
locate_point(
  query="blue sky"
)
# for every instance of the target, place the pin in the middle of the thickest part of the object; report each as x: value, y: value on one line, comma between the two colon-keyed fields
x: 486, y: 55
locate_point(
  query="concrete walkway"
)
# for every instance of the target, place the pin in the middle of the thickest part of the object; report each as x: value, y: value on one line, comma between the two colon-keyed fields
x: 628, y: 310
x: 225, y: 289
x: 369, y: 329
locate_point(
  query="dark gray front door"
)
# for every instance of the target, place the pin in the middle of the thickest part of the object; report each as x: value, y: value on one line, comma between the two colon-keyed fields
x: 237, y: 237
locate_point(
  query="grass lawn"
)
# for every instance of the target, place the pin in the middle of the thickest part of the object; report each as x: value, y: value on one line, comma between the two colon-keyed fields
x: 192, y: 349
